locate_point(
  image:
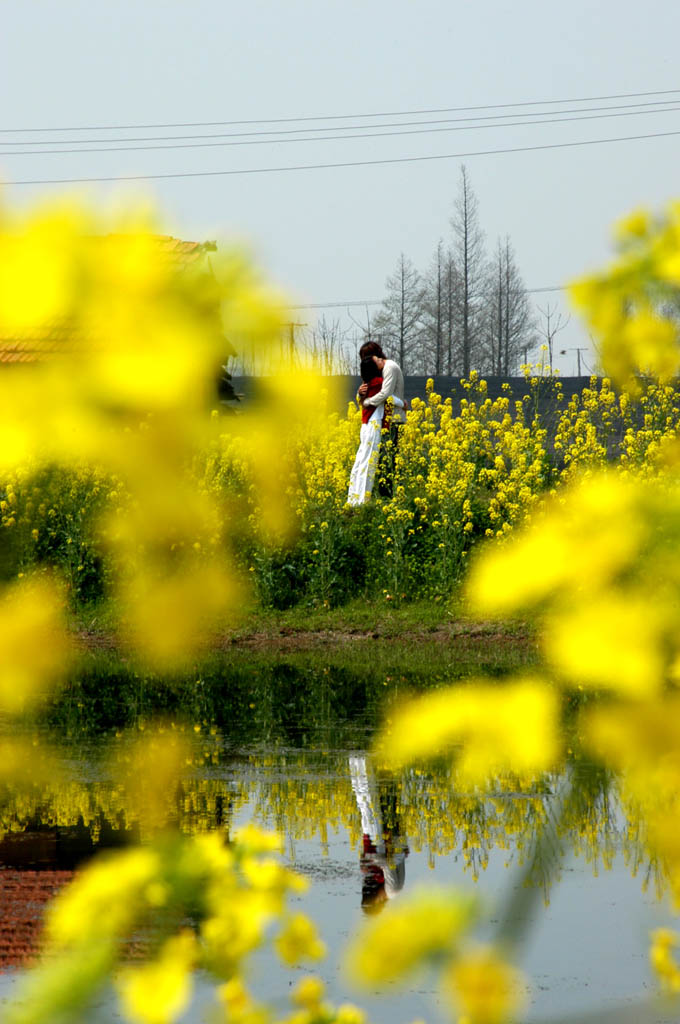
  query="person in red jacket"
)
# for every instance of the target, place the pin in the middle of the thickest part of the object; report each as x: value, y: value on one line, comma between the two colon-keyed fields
x: 373, y: 420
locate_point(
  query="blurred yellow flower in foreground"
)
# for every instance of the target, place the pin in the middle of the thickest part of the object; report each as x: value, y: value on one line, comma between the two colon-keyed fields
x: 149, y: 768
x: 584, y: 537
x: 34, y: 645
x: 635, y: 224
x: 299, y: 940
x: 170, y: 618
x: 664, y: 940
x: 309, y: 992
x: 239, y: 1005
x: 150, y: 893
x: 128, y: 393
x: 503, y: 727
x: 28, y: 764
x: 642, y: 741
x: 158, y: 992
x: 612, y: 641
x: 38, y: 266
x: 254, y: 840
x: 347, y: 1013
x: 130, y: 398
x: 486, y: 989
x: 600, y: 566
x: 420, y: 928
x: 629, y: 306
x: 103, y: 900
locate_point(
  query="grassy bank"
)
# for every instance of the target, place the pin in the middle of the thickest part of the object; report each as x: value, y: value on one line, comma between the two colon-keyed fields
x: 290, y: 675
x: 419, y: 619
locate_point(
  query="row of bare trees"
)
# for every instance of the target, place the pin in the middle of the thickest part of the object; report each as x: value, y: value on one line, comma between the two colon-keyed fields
x: 466, y: 311
x: 325, y: 346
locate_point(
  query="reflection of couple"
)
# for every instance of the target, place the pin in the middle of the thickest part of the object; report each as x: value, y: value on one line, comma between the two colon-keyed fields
x: 381, y: 379
x: 384, y: 849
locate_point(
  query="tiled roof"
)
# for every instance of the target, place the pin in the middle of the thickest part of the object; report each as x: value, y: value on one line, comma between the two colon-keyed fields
x: 59, y: 337
x: 185, y: 253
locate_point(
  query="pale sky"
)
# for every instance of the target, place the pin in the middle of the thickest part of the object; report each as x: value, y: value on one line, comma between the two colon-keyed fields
x: 334, y: 234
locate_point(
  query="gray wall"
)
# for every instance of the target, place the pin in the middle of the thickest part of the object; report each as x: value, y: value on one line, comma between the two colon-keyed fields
x: 415, y: 387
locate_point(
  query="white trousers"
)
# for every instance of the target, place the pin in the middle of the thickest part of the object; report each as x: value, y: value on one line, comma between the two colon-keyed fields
x: 366, y: 461
x: 365, y: 788
x: 366, y: 795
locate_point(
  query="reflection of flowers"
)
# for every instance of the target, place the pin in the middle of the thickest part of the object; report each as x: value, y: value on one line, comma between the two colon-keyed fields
x: 433, y: 811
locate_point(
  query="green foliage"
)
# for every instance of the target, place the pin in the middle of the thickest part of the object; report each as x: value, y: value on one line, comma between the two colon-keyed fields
x: 458, y: 479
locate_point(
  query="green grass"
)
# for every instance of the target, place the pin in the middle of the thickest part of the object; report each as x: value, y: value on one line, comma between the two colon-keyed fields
x: 287, y: 686
x: 272, y: 673
x: 356, y: 616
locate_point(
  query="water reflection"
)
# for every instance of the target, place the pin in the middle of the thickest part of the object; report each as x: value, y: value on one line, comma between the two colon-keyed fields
x: 384, y: 848
x: 326, y: 798
x: 311, y: 794
x: 42, y: 846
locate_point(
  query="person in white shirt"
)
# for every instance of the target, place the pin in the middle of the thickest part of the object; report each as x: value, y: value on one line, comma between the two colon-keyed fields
x: 375, y: 420
x: 392, y: 387
x: 393, y: 379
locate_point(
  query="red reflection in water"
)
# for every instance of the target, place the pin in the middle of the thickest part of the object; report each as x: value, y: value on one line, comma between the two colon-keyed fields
x: 24, y: 896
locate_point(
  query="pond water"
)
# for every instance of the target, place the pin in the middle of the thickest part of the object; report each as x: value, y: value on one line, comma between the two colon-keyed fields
x: 556, y: 861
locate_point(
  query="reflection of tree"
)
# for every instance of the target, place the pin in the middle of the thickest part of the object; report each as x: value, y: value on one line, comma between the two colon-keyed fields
x: 308, y: 795
x: 102, y: 811
x: 43, y: 845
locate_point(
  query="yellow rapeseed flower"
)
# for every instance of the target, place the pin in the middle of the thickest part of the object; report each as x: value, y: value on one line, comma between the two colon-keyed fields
x: 299, y: 941
x: 511, y: 726
x: 35, y: 648
x: 486, y: 989
x: 158, y: 991
x: 661, y: 958
x: 423, y: 926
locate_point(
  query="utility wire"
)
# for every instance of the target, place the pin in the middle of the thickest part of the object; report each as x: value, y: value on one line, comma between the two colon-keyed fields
x: 339, y: 164
x: 343, y: 117
x: 661, y: 105
x: 378, y: 302
x: 330, y: 138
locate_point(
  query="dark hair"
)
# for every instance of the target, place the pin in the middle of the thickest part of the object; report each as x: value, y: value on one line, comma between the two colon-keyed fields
x: 369, y: 370
x: 371, y: 348
x: 373, y: 896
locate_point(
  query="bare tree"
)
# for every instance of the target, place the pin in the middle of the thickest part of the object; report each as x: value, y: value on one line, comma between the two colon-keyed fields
x: 435, y: 309
x: 510, y: 328
x: 452, y: 287
x: 398, y: 322
x: 469, y: 258
x: 464, y: 312
x: 553, y: 322
x: 327, y: 347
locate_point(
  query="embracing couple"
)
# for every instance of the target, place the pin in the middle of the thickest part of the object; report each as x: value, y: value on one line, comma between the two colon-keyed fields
x: 381, y: 379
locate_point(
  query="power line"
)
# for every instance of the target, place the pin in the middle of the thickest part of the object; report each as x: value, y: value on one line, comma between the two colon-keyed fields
x: 661, y: 105
x: 339, y: 164
x: 341, y: 117
x: 330, y: 138
x: 555, y: 288
x: 378, y: 302
x: 337, y: 305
